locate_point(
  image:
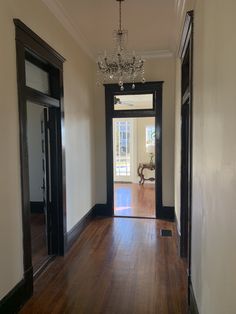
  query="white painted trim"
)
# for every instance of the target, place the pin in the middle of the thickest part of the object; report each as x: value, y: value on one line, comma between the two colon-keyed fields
x: 59, y: 12
x: 180, y: 6
x: 152, y: 54
x: 155, y: 54
x: 178, y: 227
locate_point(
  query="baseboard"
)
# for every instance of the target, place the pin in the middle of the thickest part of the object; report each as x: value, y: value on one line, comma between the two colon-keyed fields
x: 37, y: 207
x: 73, y: 234
x: 101, y: 210
x: 18, y: 296
x: 167, y: 213
x: 193, y: 308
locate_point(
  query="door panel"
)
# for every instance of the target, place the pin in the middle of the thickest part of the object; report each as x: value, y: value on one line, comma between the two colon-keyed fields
x: 123, y: 149
x: 49, y: 149
x: 45, y: 130
x: 185, y: 179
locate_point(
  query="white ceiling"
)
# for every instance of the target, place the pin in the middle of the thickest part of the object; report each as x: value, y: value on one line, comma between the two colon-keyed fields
x: 151, y: 23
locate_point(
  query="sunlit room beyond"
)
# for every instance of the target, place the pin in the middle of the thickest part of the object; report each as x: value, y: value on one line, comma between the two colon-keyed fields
x: 134, y: 165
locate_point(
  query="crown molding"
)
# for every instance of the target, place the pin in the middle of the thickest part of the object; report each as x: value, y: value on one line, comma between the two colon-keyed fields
x: 180, y: 6
x: 59, y: 12
x: 152, y: 54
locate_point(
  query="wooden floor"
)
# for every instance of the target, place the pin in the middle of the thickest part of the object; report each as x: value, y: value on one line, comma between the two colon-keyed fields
x: 38, y: 240
x: 117, y: 266
x: 132, y: 199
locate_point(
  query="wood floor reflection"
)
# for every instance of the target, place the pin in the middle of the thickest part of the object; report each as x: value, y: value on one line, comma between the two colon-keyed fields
x: 132, y: 199
x: 38, y: 240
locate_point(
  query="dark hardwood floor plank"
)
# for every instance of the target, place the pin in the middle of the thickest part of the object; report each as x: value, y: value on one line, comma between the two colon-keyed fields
x: 38, y: 240
x: 118, y: 265
x: 133, y: 199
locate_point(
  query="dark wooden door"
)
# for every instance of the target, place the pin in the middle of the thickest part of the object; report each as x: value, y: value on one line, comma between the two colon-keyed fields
x: 50, y: 195
x: 47, y: 177
x: 185, y: 179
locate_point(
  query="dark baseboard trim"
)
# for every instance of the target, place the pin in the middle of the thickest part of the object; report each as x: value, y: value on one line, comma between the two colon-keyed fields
x: 72, y: 235
x: 18, y: 296
x: 101, y: 210
x: 193, y: 308
x: 37, y: 207
x: 167, y: 213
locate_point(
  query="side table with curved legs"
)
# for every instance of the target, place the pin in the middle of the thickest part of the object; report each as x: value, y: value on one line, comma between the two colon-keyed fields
x: 141, y: 167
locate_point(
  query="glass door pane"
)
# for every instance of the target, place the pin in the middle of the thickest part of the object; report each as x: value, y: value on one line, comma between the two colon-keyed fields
x: 133, y: 102
x: 122, y: 134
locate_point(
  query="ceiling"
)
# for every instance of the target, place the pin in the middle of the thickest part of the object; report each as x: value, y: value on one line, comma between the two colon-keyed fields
x: 151, y: 23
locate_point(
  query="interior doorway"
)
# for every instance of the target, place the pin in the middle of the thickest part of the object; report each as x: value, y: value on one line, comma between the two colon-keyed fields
x: 134, y: 178
x: 186, y: 56
x: 41, y: 117
x: 43, y: 211
x: 43, y: 153
x: 38, y: 182
x: 134, y: 166
x: 186, y: 138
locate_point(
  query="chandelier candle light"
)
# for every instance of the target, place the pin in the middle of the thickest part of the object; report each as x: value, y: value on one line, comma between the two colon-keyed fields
x: 121, y: 65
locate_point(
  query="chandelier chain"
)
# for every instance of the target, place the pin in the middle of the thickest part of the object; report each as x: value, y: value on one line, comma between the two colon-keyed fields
x: 120, y: 15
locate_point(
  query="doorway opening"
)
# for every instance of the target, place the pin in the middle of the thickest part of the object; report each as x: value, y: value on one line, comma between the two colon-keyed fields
x: 43, y: 207
x: 134, y: 150
x: 41, y: 119
x: 38, y: 179
x: 186, y: 56
x: 134, y: 166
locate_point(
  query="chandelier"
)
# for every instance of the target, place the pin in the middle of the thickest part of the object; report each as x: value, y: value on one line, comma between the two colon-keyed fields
x: 121, y: 65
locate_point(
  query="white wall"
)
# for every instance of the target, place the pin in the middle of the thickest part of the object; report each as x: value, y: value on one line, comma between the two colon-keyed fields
x: 158, y: 69
x: 142, y: 123
x: 142, y: 155
x: 78, y: 101
x: 34, y: 139
x: 214, y: 157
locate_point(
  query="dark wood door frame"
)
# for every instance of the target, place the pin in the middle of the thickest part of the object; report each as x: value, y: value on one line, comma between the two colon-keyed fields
x: 28, y: 45
x: 112, y: 90
x: 186, y: 56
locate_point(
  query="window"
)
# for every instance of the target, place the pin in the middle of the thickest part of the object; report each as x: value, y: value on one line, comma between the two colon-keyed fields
x: 122, y: 131
x: 133, y: 102
x: 150, y: 135
x: 36, y: 78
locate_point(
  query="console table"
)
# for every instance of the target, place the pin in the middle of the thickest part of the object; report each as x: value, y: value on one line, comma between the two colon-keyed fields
x: 141, y: 167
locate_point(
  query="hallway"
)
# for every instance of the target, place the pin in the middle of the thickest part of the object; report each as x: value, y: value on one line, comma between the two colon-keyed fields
x: 118, y: 265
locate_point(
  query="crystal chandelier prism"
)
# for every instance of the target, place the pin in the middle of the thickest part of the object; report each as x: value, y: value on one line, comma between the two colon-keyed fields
x: 121, y: 65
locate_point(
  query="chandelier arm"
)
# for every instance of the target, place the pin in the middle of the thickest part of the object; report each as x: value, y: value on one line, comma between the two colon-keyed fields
x: 106, y: 63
